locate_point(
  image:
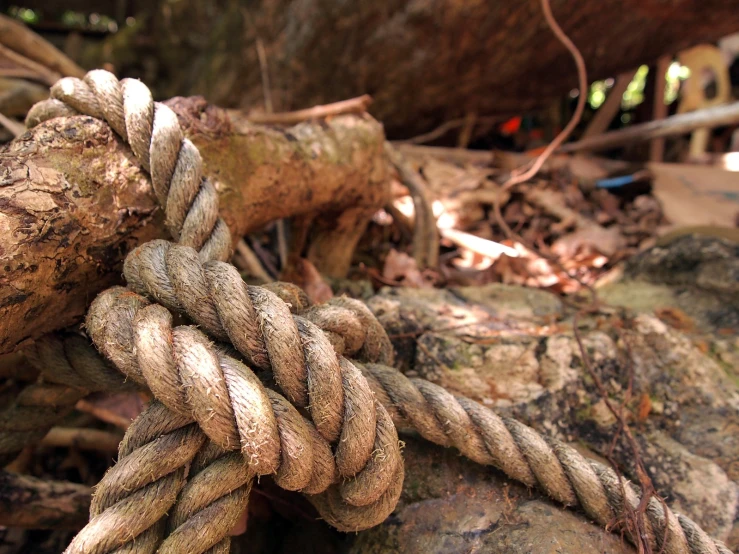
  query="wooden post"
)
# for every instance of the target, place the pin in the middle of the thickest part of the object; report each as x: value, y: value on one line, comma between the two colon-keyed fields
x: 605, y: 114
x: 657, y: 146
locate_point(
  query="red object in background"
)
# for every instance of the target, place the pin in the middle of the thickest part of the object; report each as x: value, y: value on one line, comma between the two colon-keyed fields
x: 511, y: 126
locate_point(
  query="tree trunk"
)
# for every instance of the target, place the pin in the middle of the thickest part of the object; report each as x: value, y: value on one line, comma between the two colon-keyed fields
x: 73, y: 201
x: 425, y: 62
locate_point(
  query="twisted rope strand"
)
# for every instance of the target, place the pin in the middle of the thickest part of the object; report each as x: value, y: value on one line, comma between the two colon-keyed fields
x: 130, y: 515
x: 511, y: 446
x: 191, y: 208
x: 128, y: 108
x: 304, y: 459
x: 69, y: 370
x: 190, y: 201
x: 260, y: 326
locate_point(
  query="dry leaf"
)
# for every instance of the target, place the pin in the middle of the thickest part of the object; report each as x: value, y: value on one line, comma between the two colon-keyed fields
x: 313, y: 283
x: 606, y: 241
x: 644, y: 408
x: 116, y: 408
x: 675, y: 318
x: 402, y: 269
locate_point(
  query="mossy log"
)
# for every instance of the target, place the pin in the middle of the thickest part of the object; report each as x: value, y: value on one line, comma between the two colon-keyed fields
x: 74, y: 201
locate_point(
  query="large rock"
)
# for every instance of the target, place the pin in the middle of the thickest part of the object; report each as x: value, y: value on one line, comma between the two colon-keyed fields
x: 453, y: 506
x: 694, y: 273
x: 513, y: 349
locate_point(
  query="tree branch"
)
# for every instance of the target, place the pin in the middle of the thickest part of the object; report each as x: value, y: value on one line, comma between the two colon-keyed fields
x: 73, y: 202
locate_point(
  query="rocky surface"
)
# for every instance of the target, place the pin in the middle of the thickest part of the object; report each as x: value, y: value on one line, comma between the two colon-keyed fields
x: 670, y: 362
x: 451, y: 505
x: 694, y: 273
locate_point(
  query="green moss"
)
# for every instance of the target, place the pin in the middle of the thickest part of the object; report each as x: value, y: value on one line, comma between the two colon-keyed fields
x: 413, y: 488
x: 583, y: 414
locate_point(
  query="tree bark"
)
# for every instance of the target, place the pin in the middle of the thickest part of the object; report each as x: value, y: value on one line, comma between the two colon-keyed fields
x: 73, y: 201
x: 425, y: 62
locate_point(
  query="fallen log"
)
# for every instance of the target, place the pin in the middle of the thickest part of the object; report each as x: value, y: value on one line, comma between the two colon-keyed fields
x: 73, y: 202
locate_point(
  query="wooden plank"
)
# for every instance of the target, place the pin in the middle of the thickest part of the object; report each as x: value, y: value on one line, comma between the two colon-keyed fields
x: 696, y: 194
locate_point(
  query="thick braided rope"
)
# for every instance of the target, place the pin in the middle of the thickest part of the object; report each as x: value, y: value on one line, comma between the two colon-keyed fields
x: 191, y: 207
x: 101, y: 95
x: 210, y: 504
x: 129, y: 509
x: 524, y: 455
x: 375, y: 490
x: 69, y: 370
x: 261, y: 326
x: 151, y: 129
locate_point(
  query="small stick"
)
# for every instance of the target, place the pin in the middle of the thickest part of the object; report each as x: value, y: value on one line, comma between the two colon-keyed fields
x: 605, y: 114
x: 19, y: 38
x: 659, y: 111
x: 84, y: 439
x: 16, y: 128
x: 352, y: 105
x: 280, y: 224
x: 447, y: 126
x: 453, y: 155
x: 41, y: 73
x: 250, y: 262
x: 103, y: 415
x: 425, y: 235
x: 478, y: 245
x: 264, y: 68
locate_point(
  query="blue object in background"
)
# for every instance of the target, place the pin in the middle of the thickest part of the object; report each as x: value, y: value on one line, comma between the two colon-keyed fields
x: 615, y: 182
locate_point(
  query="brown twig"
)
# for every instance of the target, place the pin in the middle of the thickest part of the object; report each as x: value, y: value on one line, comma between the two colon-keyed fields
x: 635, y: 518
x: 459, y: 156
x: 16, y: 128
x: 264, y: 69
x: 19, y: 38
x: 38, y: 71
x: 280, y: 224
x: 84, y: 439
x: 478, y: 245
x: 103, y: 415
x: 425, y: 233
x: 529, y: 170
x: 264, y: 257
x: 352, y: 105
x: 247, y: 260
x: 678, y: 124
x: 447, y: 126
